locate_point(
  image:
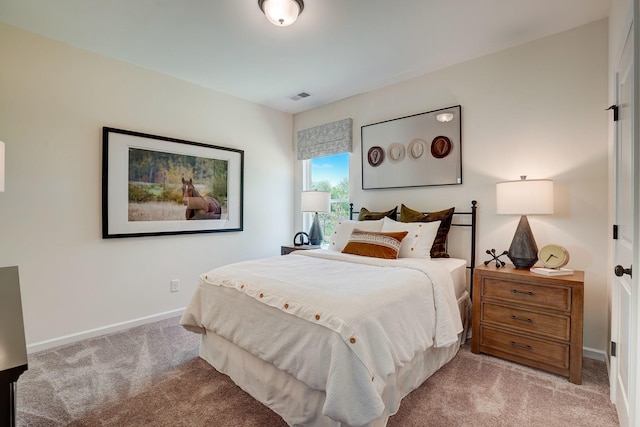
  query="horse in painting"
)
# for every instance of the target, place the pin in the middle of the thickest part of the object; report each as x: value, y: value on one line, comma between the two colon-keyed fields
x: 198, y: 207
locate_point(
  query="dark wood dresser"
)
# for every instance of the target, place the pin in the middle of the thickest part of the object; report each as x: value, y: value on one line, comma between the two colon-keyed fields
x: 529, y: 318
x: 13, y: 349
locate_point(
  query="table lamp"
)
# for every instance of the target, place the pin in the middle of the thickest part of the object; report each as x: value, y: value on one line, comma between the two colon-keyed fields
x: 524, y: 197
x: 315, y: 201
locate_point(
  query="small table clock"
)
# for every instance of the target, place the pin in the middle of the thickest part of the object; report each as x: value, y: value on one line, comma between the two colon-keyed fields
x: 553, y: 256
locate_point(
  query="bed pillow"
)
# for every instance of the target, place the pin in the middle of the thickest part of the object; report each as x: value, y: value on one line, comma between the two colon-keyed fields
x: 343, y: 229
x: 366, y: 215
x: 419, y: 239
x: 439, y: 248
x: 375, y: 244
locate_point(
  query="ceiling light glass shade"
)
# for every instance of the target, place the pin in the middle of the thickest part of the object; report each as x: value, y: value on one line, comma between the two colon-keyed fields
x: 444, y: 117
x: 315, y: 201
x: 281, y: 12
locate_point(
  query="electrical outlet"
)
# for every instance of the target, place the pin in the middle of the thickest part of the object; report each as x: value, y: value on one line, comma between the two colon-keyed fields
x: 175, y: 285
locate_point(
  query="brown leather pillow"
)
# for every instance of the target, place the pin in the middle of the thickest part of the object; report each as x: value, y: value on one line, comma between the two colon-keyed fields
x: 375, y: 244
x: 439, y: 248
x: 366, y: 215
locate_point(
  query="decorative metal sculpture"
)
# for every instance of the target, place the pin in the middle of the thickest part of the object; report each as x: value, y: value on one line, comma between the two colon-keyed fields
x: 496, y: 258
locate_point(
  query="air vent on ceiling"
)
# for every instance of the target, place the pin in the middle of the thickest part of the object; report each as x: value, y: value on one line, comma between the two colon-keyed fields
x: 299, y: 96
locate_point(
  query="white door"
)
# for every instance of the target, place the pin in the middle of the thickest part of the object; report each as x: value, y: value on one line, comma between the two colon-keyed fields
x: 624, y: 292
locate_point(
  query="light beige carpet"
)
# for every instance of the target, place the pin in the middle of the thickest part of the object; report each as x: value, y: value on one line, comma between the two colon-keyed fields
x: 151, y: 376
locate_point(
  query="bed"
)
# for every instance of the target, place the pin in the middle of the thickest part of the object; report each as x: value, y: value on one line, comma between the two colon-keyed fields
x: 345, y: 349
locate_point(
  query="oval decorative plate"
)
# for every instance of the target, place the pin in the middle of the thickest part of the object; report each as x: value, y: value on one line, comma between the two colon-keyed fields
x: 416, y: 148
x: 396, y: 151
x: 375, y: 155
x: 440, y: 147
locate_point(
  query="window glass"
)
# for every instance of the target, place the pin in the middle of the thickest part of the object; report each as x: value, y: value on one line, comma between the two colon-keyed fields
x: 331, y: 173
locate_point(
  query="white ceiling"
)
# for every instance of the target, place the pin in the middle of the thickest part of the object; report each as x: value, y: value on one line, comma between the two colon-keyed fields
x: 336, y: 49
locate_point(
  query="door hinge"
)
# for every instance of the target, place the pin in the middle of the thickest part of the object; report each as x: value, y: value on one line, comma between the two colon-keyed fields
x: 615, y: 231
x: 613, y: 349
x: 615, y: 112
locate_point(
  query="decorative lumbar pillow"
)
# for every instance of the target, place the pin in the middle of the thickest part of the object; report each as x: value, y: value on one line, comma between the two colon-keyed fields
x: 375, y: 244
x: 419, y: 240
x: 343, y: 229
x: 366, y: 215
x: 439, y: 248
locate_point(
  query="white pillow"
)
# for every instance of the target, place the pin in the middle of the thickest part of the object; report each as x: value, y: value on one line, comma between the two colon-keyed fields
x: 343, y: 229
x: 420, y: 237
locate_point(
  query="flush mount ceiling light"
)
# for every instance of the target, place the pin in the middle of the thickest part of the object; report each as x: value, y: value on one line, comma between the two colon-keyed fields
x: 281, y: 12
x: 444, y: 117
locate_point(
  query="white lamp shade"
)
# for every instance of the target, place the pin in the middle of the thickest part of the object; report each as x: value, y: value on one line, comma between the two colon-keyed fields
x: 2, y: 166
x: 524, y: 197
x: 315, y: 201
x: 281, y: 12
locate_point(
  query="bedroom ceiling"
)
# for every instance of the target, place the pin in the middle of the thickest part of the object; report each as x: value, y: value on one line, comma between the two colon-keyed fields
x: 336, y: 48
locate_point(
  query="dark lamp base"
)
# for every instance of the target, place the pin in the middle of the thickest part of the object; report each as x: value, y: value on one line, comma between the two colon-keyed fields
x: 523, y: 251
x: 315, y: 232
x: 523, y: 264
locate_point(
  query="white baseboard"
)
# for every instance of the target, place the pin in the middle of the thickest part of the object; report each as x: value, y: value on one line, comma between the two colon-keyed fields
x: 91, y: 333
x: 593, y: 353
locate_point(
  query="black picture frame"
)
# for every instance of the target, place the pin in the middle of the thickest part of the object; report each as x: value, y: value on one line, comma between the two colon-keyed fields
x: 142, y: 186
x: 419, y: 150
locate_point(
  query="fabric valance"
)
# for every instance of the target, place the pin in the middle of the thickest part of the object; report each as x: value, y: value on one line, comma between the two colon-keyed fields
x: 325, y: 140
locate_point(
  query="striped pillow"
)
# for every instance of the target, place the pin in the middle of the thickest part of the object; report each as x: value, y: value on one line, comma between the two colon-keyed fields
x: 374, y: 244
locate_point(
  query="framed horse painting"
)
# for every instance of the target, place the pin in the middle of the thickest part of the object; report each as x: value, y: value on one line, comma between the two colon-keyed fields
x: 154, y: 185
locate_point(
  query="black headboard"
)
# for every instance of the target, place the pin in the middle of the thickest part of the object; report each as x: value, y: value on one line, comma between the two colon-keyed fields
x: 458, y: 221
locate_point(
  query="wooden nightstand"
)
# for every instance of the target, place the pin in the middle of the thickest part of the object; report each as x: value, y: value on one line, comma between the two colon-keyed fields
x: 284, y: 250
x: 529, y: 318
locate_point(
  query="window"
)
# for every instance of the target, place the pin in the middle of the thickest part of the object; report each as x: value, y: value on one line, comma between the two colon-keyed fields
x: 330, y: 173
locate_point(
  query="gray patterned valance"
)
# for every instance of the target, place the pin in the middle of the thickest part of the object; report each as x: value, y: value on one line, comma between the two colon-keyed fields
x: 325, y: 140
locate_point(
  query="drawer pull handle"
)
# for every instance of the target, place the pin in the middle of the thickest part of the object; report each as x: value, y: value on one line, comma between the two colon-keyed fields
x: 526, y: 347
x: 515, y: 291
x: 522, y: 319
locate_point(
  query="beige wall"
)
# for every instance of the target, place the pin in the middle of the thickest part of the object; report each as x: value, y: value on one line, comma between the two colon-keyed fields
x: 54, y: 101
x: 535, y: 110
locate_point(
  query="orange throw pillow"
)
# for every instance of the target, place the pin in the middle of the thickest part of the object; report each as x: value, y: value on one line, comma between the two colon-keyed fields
x: 374, y: 244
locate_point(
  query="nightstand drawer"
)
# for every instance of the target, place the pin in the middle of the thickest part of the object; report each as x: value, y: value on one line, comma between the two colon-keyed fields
x: 548, y: 325
x: 549, y: 353
x: 552, y: 297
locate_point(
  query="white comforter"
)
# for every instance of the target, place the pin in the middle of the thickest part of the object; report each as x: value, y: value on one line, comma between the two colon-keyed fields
x: 339, y: 323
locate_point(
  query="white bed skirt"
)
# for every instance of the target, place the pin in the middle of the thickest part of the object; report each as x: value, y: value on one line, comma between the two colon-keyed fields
x: 300, y: 405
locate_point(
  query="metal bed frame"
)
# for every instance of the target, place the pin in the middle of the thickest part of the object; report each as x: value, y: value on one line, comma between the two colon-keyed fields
x: 473, y: 215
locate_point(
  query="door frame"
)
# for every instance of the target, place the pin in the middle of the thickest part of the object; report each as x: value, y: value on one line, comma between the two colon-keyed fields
x: 634, y: 387
x: 631, y: 30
